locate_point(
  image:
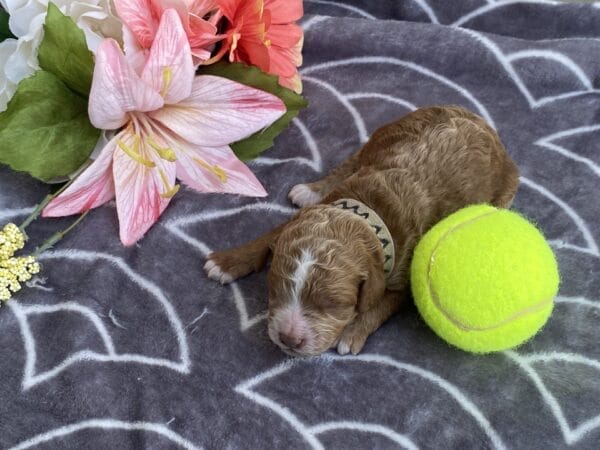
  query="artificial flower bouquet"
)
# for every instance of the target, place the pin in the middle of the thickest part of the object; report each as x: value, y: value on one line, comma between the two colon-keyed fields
x: 127, y: 99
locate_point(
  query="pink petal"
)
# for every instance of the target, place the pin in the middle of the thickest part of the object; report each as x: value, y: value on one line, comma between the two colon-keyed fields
x: 200, y: 55
x: 93, y: 187
x: 138, y: 190
x: 202, y: 32
x: 170, y: 69
x: 202, y: 36
x: 220, y: 111
x: 181, y: 6
x: 137, y: 15
x: 116, y: 89
x: 136, y: 54
x: 284, y: 11
x: 251, y: 50
x: 282, y: 61
x: 285, y: 36
x: 229, y: 8
x: 294, y: 83
x: 235, y: 177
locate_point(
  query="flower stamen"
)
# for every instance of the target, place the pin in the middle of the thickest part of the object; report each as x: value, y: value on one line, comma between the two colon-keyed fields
x: 261, y: 6
x: 167, y: 74
x: 133, y: 152
x: 170, y: 191
x: 235, y: 37
x: 215, y: 170
x: 165, y: 153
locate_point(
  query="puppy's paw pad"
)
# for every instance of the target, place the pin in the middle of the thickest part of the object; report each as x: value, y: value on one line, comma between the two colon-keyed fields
x: 214, y: 272
x: 301, y: 195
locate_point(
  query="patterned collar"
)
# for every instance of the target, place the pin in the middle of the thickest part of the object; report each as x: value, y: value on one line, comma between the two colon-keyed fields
x: 378, y: 226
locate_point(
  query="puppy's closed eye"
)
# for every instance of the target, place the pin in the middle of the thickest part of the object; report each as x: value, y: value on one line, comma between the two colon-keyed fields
x: 333, y: 304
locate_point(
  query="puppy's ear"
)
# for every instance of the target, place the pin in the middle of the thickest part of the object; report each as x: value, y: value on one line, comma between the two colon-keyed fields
x: 372, y: 286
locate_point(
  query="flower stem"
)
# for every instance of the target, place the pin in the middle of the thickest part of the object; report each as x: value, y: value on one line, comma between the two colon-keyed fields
x: 52, y: 240
x: 38, y: 209
x: 36, y: 212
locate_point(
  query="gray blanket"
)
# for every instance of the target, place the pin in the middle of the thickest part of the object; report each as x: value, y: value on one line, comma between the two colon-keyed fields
x: 120, y: 348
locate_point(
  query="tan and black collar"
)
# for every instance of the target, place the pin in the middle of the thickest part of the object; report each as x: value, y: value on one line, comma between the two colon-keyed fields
x: 378, y: 226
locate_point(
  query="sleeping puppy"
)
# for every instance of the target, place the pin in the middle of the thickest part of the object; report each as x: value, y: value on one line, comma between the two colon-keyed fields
x: 340, y: 267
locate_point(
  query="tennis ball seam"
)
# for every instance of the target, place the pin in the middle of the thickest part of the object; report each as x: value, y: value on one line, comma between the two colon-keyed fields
x: 436, y: 301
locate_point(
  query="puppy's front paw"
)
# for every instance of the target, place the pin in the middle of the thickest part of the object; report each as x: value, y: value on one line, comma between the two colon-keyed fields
x: 352, y: 340
x: 214, y: 271
x: 302, y: 195
x: 229, y: 265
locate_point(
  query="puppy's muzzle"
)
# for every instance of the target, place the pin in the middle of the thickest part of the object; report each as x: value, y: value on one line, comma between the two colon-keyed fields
x: 292, y: 341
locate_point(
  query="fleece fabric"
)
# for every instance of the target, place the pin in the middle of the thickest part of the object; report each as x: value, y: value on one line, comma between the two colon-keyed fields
x: 131, y: 348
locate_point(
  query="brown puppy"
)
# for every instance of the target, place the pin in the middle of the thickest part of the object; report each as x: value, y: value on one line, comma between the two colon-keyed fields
x: 340, y: 267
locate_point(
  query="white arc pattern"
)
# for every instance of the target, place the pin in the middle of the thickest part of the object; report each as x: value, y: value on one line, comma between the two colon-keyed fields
x: 592, y: 246
x: 107, y: 424
x: 422, y: 4
x: 491, y: 6
x: 309, y: 433
x: 23, y: 312
x: 370, y: 60
x: 506, y: 63
x: 527, y: 363
x: 548, y: 142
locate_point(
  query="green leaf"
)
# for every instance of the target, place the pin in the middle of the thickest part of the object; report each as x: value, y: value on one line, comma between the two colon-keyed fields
x: 64, y: 52
x: 4, y: 30
x: 46, y: 131
x: 252, y: 146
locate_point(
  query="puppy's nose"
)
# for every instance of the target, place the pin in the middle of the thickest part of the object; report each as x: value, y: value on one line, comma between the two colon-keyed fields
x: 291, y: 341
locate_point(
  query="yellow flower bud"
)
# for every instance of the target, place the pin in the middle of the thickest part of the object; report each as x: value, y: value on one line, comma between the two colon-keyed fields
x: 13, y: 272
x: 11, y: 240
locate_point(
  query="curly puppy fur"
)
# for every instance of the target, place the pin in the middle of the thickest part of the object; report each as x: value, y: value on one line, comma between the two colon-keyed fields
x: 326, y: 281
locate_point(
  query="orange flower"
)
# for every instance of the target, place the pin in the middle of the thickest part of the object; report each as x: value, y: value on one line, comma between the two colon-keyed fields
x: 263, y: 33
x: 245, y: 32
x: 284, y: 41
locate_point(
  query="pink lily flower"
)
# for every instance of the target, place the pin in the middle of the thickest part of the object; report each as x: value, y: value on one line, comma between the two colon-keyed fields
x: 174, y: 125
x: 198, y: 17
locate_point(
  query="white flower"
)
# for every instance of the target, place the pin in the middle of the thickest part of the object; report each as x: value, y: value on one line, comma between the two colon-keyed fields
x: 18, y: 57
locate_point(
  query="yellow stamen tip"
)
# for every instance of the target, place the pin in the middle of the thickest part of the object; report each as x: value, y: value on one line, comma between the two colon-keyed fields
x: 165, y: 153
x: 167, y: 74
x: 219, y: 172
x: 171, y: 192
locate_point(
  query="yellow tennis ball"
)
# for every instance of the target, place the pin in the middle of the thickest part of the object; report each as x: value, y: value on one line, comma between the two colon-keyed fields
x: 484, y: 279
